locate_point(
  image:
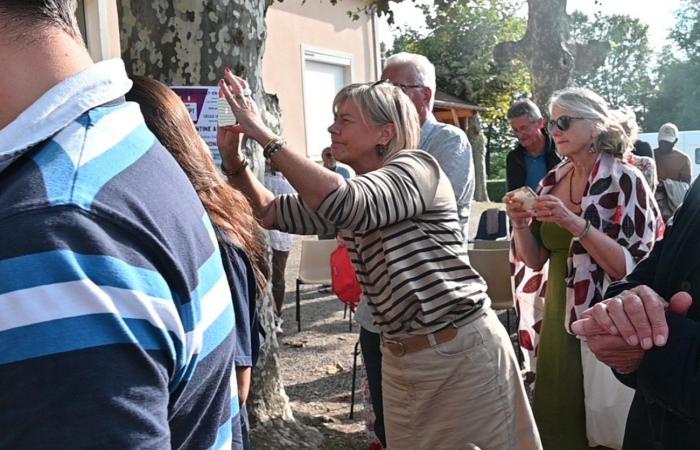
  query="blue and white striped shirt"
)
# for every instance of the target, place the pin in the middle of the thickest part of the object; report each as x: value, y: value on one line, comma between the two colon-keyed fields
x: 116, y: 324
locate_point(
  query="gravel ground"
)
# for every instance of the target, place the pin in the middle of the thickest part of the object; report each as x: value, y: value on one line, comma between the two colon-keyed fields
x: 317, y: 362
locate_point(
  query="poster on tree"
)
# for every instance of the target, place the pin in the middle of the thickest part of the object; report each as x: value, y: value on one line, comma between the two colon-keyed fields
x: 202, y: 103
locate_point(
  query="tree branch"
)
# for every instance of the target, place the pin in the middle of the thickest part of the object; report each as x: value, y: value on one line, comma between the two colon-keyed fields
x: 508, y: 51
x: 589, y: 56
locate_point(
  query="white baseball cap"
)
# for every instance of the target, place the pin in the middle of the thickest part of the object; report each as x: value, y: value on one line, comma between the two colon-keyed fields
x: 668, y: 132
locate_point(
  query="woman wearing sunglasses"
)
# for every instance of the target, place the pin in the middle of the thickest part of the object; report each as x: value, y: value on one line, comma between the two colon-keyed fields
x: 450, y: 376
x: 593, y: 220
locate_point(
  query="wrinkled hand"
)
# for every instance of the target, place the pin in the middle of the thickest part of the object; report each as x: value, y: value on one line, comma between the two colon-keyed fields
x: 614, y: 352
x: 238, y: 96
x: 637, y: 315
x: 519, y: 217
x: 549, y: 208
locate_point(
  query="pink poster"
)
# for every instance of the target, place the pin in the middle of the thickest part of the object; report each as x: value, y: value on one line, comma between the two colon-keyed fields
x: 201, y: 102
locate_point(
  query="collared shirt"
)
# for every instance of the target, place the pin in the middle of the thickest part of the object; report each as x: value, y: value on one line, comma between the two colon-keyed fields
x: 535, y: 169
x: 116, y: 324
x: 61, y: 105
x: 450, y: 147
x: 516, y: 171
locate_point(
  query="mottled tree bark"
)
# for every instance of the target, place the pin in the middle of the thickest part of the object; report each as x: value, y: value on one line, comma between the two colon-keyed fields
x: 547, y: 50
x: 190, y: 42
x: 476, y: 139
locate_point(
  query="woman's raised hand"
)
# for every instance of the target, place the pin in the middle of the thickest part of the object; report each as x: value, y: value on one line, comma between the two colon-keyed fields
x: 228, y: 140
x: 239, y: 97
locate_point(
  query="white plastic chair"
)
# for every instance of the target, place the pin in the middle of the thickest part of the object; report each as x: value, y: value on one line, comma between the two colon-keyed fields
x: 314, y: 267
x: 493, y: 265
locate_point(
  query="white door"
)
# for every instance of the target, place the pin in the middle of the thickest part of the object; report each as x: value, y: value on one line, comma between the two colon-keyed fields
x: 324, y: 76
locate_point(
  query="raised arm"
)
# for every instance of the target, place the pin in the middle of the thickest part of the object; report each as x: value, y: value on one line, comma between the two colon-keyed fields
x: 313, y: 182
x: 235, y: 166
x: 404, y: 188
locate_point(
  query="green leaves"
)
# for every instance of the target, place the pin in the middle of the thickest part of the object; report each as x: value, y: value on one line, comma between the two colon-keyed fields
x: 625, y: 79
x: 686, y: 33
x: 677, y: 96
x: 460, y: 44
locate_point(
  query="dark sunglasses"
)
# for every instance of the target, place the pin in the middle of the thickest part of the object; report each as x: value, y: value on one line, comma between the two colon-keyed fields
x: 563, y: 123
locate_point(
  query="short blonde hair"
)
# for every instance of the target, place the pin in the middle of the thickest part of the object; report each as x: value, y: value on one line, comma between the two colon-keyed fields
x: 382, y: 103
x: 615, y: 134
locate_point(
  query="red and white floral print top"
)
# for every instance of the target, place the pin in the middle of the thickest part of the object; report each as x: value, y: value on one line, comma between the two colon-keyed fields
x: 618, y: 202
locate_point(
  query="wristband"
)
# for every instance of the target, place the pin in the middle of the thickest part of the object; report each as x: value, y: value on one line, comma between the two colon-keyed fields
x: 236, y: 171
x: 585, y: 231
x: 272, y: 146
x: 269, y: 143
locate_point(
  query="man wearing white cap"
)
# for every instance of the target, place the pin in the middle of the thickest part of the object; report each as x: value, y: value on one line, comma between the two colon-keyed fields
x: 671, y: 164
x: 673, y: 170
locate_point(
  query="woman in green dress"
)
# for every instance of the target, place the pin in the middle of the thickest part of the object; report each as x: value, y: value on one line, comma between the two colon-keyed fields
x: 593, y: 219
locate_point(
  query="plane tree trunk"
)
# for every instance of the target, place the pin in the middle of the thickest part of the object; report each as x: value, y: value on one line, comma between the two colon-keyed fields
x: 191, y: 43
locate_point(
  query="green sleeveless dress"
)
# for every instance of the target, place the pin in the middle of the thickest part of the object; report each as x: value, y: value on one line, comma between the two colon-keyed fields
x: 558, y: 398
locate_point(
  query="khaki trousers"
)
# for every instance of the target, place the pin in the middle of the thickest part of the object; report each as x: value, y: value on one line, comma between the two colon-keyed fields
x: 464, y: 391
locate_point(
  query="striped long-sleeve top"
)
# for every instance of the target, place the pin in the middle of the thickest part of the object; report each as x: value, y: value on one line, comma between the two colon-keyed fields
x: 116, y: 324
x: 401, y: 227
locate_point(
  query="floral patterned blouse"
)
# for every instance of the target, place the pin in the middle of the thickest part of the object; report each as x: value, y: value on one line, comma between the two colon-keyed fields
x: 617, y: 201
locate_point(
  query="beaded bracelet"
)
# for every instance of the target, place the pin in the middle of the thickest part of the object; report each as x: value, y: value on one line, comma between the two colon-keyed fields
x: 272, y: 146
x: 269, y: 143
x: 237, y: 171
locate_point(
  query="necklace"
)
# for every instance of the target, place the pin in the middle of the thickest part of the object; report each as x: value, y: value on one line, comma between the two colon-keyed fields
x: 571, y: 189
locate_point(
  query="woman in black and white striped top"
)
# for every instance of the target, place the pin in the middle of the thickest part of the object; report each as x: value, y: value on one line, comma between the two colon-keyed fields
x: 450, y: 374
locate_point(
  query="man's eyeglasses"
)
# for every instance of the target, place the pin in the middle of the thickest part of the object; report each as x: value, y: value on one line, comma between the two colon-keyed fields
x: 523, y: 130
x: 378, y: 82
x: 563, y: 123
x: 407, y: 86
x: 402, y: 86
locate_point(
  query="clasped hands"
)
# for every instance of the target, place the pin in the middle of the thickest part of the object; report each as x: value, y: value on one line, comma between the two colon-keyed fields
x: 621, y: 329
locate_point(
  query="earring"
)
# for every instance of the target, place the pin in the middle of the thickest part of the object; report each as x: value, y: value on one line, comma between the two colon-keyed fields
x: 592, y: 149
x: 381, y: 149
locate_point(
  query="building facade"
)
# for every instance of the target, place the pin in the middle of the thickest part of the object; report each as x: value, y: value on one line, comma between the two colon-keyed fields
x: 312, y: 50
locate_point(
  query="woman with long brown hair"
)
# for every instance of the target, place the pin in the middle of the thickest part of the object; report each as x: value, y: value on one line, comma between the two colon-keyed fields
x: 240, y: 238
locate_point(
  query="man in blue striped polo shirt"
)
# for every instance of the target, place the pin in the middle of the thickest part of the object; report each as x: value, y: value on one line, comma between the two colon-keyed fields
x: 116, y: 325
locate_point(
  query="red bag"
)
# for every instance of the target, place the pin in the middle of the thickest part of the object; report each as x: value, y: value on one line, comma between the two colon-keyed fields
x: 344, y: 281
